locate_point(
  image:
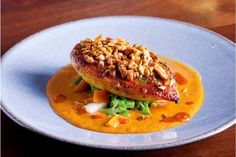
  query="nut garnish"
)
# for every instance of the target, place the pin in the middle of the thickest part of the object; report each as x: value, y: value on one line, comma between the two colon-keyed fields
x: 88, y: 59
x: 161, y: 72
x: 101, y: 64
x: 118, y: 58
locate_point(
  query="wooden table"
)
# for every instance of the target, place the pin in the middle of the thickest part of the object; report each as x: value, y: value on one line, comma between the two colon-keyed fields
x: 21, y: 18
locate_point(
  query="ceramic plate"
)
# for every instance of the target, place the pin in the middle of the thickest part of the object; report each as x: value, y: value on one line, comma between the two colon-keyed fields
x: 28, y: 65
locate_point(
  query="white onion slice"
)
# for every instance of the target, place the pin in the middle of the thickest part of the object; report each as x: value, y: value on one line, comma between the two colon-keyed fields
x: 94, y: 107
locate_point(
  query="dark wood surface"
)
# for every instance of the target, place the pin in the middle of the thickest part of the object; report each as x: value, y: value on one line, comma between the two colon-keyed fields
x: 21, y: 18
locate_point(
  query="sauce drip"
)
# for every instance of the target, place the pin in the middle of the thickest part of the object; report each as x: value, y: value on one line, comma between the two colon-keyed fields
x: 180, y: 79
x: 178, y: 117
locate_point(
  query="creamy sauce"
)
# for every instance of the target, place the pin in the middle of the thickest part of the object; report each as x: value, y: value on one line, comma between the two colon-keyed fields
x: 66, y: 103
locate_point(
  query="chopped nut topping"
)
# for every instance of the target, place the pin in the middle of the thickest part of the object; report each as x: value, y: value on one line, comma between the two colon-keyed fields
x: 123, y: 71
x: 141, y: 69
x: 110, y: 60
x: 117, y: 57
x: 130, y: 75
x: 161, y: 71
x: 88, y: 59
x: 101, y: 64
x: 146, y: 72
x: 113, y: 73
x: 101, y: 57
x: 111, y: 67
x: 97, y: 39
x: 162, y: 87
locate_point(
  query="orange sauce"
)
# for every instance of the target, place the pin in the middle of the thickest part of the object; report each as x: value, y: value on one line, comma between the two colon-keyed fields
x: 69, y: 104
x: 178, y: 117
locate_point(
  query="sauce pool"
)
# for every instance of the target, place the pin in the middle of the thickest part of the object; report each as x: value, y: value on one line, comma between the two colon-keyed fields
x: 68, y: 104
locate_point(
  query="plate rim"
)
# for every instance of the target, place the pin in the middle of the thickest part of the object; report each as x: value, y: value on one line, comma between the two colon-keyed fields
x: 138, y: 147
x: 147, y: 147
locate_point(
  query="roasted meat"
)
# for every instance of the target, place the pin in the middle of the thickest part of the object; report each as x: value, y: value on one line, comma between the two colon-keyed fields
x: 128, y: 71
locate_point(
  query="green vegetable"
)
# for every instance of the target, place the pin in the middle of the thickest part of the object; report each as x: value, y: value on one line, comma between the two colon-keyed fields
x: 117, y: 106
x: 77, y: 81
x: 113, y: 106
x: 130, y: 104
x: 143, y: 107
x: 124, y: 113
x: 110, y: 111
x: 113, y: 101
x: 120, y: 105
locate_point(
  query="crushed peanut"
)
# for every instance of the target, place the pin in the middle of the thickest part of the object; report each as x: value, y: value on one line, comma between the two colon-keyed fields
x: 119, y: 58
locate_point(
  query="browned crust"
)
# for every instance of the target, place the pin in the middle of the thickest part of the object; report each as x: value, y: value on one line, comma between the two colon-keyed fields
x: 131, y: 89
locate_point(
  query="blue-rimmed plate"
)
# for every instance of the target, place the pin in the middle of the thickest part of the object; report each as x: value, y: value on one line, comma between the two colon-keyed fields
x: 28, y: 65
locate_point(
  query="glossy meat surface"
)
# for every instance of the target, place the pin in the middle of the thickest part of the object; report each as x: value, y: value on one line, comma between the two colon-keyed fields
x: 136, y: 89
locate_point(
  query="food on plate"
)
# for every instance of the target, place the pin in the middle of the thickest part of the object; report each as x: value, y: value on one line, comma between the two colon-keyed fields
x: 113, y: 86
x: 128, y: 71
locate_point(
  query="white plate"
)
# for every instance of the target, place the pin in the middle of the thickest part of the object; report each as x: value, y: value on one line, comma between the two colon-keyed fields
x: 27, y: 67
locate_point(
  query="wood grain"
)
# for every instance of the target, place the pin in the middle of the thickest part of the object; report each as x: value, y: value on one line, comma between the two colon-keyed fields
x: 21, y: 18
